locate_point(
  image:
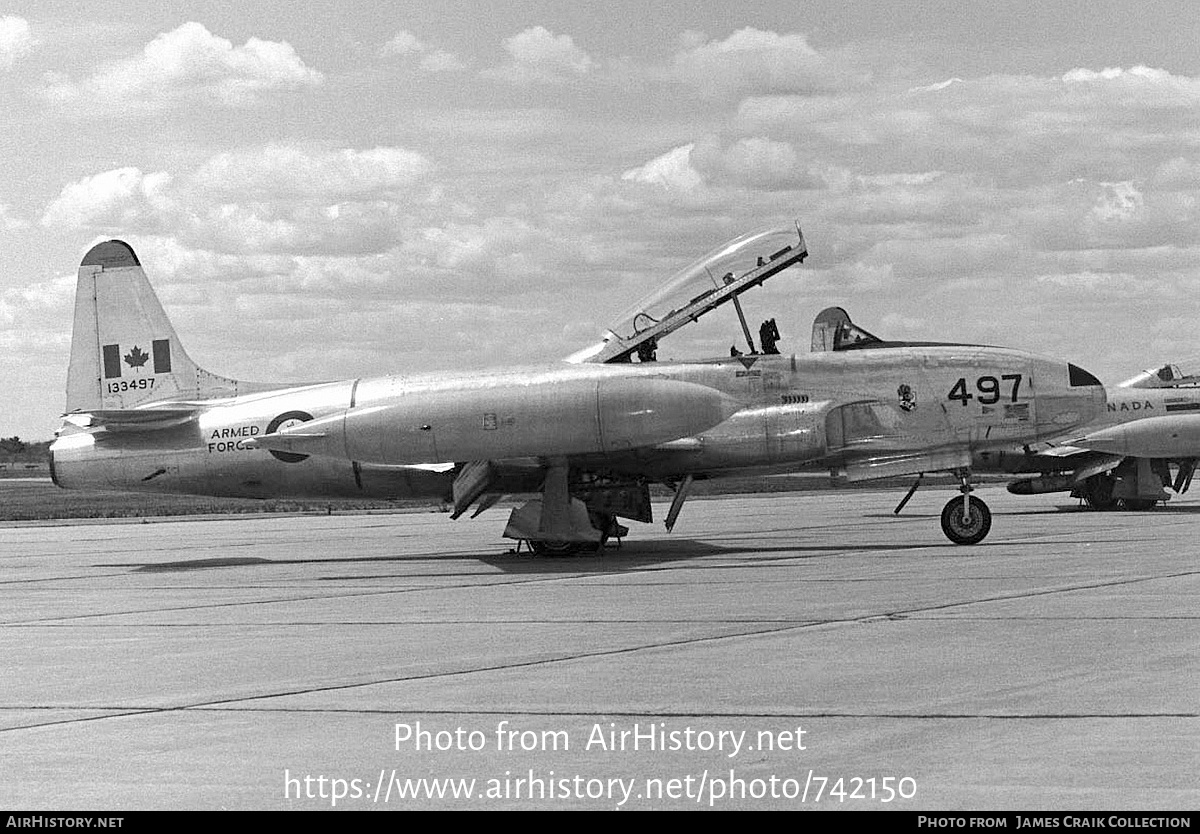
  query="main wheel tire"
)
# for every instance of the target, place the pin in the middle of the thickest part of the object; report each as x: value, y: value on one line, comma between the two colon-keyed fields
x: 1098, y: 492
x: 557, y: 548
x: 976, y: 526
x: 1137, y: 504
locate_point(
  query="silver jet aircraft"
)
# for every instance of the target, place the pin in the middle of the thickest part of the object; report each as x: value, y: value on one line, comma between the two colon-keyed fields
x: 588, y: 435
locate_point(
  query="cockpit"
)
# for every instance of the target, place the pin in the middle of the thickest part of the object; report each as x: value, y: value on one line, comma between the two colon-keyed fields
x: 715, y: 279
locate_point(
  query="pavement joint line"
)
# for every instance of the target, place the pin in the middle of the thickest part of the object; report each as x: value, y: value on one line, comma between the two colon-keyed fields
x: 865, y: 619
x: 126, y: 712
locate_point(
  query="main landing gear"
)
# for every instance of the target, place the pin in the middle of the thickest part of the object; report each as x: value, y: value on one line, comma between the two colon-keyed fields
x: 607, y: 525
x: 966, y: 520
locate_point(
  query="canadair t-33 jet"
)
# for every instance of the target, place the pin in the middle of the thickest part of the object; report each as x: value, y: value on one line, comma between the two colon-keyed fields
x: 586, y: 436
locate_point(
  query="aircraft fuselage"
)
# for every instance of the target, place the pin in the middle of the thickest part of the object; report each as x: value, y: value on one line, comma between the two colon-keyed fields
x: 377, y: 437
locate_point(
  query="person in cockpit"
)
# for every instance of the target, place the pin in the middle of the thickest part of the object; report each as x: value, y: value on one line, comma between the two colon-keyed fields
x: 768, y: 335
x: 648, y: 350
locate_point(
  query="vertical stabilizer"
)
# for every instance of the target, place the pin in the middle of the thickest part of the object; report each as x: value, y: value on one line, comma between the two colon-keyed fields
x: 124, y: 351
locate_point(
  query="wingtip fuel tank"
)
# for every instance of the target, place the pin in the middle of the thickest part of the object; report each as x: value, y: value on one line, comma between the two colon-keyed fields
x: 1169, y: 436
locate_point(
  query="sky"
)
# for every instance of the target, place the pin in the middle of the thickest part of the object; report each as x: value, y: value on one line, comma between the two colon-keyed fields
x: 333, y: 190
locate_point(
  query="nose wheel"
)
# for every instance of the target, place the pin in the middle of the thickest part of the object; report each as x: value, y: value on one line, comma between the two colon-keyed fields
x: 966, y: 520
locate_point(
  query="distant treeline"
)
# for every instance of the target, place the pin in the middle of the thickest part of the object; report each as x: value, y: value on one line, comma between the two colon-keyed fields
x: 15, y: 450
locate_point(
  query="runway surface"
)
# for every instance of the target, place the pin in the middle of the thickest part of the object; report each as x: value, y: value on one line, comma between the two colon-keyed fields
x: 277, y: 662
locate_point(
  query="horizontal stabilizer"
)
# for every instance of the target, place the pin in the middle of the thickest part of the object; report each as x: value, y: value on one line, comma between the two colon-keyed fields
x: 133, y: 419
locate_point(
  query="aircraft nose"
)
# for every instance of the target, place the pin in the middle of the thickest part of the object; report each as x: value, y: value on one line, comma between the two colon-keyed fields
x: 1070, y: 399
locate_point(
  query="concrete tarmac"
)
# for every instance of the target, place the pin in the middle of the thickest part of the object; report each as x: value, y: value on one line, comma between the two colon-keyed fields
x: 802, y: 650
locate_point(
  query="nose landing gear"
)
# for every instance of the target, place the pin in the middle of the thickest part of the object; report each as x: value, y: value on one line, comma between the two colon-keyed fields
x: 966, y: 520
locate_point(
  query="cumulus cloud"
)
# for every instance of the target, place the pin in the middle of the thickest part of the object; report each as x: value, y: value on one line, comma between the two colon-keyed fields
x: 191, y: 63
x: 9, y: 221
x: 994, y: 201
x: 458, y: 246
x: 672, y: 170
x: 1137, y: 73
x: 1137, y: 87
x: 1019, y: 130
x: 406, y: 44
x: 114, y: 201
x: 756, y: 163
x: 751, y: 61
x: 1119, y: 201
x: 282, y: 199
x: 29, y: 305
x: 966, y: 195
x: 932, y: 201
x: 272, y: 199
x: 441, y: 61
x: 1178, y: 172
x: 16, y: 39
x: 933, y: 88
x: 541, y: 57
x: 280, y: 171
x: 403, y: 43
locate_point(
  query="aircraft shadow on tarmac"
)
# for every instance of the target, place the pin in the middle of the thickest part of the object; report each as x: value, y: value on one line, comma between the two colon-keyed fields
x: 613, y: 560
x: 1061, y: 509
x: 1071, y: 509
x: 200, y: 564
x: 633, y: 556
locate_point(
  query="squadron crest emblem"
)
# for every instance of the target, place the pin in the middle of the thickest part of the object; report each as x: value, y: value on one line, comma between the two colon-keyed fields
x: 908, y: 399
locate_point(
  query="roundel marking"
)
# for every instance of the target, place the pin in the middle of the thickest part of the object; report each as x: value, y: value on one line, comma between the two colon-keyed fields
x: 283, y: 421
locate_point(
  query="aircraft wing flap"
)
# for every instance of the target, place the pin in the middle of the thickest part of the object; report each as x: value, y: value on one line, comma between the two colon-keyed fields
x: 1102, y: 464
x: 894, y: 465
x: 1063, y: 451
x: 1094, y: 462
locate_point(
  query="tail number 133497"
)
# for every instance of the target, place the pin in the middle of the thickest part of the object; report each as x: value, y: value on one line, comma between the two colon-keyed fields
x: 988, y: 389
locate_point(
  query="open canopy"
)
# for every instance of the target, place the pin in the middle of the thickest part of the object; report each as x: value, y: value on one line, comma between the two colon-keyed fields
x: 715, y: 279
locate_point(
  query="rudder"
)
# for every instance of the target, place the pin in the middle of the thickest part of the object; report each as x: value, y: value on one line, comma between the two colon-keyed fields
x: 124, y: 351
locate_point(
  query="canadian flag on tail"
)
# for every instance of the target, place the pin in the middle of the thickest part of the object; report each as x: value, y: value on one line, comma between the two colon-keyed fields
x: 136, y: 358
